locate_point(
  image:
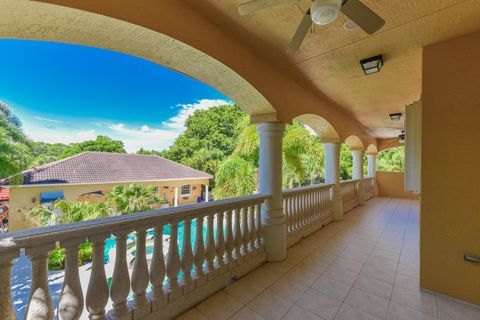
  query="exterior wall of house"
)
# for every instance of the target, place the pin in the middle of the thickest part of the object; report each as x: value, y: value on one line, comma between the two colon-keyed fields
x: 23, y: 199
x: 450, y: 200
x: 392, y: 184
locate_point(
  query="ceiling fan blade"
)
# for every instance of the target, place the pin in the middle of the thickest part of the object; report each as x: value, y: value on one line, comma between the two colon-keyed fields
x: 300, y: 34
x: 362, y: 16
x: 255, y: 5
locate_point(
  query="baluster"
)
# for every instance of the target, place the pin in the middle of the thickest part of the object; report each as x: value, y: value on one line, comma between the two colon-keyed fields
x: 220, y: 244
x: 157, y: 271
x: 210, y: 249
x: 237, y: 236
x: 302, y: 210
x: 140, y: 305
x: 295, y: 212
x: 173, y: 264
x: 253, y: 232
x: 259, y: 241
x: 229, y: 246
x: 245, y: 235
x: 120, y: 286
x: 70, y: 305
x: 97, y: 291
x: 40, y: 301
x: 6, y: 262
x: 187, y: 257
x: 199, y: 254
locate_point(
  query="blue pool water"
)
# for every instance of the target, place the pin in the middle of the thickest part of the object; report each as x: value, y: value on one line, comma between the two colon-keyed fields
x: 110, y: 243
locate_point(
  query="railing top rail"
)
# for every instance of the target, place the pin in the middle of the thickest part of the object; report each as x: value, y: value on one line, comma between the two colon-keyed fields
x: 349, y: 181
x: 80, y: 230
x: 287, y: 192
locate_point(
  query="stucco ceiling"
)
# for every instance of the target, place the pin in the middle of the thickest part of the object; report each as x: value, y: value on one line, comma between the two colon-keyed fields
x: 329, y: 57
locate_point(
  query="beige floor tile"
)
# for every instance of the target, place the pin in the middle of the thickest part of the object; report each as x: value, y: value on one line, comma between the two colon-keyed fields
x: 416, y: 299
x: 298, y: 313
x: 246, y: 314
x: 378, y: 273
x: 399, y: 312
x: 367, y: 302
x: 375, y: 287
x: 452, y: 309
x: 301, y: 275
x: 243, y: 290
x: 406, y: 282
x: 349, y: 264
x: 192, y: 314
x: 331, y: 288
x: 288, y: 289
x: 270, y: 306
x: 320, y: 304
x: 347, y: 312
x: 219, y: 306
x: 341, y: 274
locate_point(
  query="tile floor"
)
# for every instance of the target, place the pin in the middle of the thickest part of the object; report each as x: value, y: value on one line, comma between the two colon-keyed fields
x: 365, y: 267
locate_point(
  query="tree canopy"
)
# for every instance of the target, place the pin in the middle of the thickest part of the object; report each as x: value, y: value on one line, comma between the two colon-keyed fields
x: 14, y: 145
x: 210, y: 136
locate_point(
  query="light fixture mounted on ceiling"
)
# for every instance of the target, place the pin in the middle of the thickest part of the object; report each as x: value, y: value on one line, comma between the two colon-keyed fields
x: 395, y: 116
x: 324, y: 12
x: 372, y: 65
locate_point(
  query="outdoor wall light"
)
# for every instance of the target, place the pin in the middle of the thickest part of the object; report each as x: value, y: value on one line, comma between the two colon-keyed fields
x: 372, y: 65
x: 395, y: 116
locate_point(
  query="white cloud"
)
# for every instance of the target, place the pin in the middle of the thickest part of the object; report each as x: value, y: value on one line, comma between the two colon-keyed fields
x: 46, y: 119
x: 178, y: 122
x: 87, y: 135
x: 134, y: 138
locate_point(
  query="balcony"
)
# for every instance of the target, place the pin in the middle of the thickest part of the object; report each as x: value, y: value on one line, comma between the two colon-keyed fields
x: 365, y: 266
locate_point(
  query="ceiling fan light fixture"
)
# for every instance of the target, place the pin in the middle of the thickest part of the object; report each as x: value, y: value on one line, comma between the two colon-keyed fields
x: 372, y: 65
x: 324, y: 12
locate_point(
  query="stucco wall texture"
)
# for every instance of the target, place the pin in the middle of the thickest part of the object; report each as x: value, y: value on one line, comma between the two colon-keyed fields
x: 22, y: 198
x: 450, y: 200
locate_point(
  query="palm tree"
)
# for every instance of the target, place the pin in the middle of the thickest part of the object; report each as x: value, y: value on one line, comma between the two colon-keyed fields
x: 134, y: 198
x: 238, y: 176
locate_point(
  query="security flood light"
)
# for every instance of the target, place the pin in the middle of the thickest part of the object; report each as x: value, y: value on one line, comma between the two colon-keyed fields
x: 372, y: 65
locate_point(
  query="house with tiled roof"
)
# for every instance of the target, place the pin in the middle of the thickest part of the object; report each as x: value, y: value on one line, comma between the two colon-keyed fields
x: 89, y: 176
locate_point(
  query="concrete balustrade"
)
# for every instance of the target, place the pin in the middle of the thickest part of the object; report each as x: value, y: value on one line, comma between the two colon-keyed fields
x: 178, y: 280
x: 307, y: 209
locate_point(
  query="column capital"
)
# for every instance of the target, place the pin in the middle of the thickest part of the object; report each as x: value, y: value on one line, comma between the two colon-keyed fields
x: 271, y: 129
x: 333, y: 146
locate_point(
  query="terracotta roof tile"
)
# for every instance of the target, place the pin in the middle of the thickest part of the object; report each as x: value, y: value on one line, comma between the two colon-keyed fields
x: 95, y: 167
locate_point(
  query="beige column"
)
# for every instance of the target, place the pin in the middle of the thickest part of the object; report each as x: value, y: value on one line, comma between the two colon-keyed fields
x: 357, y: 173
x: 270, y: 176
x: 332, y: 175
x: 175, y: 200
x: 372, y: 171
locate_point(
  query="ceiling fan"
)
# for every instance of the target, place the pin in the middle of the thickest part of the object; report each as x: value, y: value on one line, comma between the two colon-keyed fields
x: 322, y: 12
x: 400, y: 137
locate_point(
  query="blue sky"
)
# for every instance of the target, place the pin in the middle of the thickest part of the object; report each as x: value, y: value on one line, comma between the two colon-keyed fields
x: 67, y: 93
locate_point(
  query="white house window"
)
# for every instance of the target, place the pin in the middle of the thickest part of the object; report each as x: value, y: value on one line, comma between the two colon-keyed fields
x: 185, y: 191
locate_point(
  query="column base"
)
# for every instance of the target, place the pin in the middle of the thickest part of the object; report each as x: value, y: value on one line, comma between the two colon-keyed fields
x: 275, y: 235
x: 337, y: 204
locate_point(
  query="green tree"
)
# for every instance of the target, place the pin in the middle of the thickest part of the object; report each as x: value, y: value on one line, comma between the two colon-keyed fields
x: 391, y: 160
x: 302, y: 157
x: 135, y: 198
x: 43, y: 152
x: 209, y: 138
x: 15, y: 154
x: 101, y: 143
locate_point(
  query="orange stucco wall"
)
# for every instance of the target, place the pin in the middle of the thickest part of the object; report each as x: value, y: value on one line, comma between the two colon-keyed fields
x: 392, y: 184
x: 450, y: 201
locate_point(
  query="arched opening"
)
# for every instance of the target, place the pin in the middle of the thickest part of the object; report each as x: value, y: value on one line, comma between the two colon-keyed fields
x: 66, y: 25
x: 325, y: 131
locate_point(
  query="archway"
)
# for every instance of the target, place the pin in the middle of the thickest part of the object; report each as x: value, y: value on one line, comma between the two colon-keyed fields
x: 62, y: 24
